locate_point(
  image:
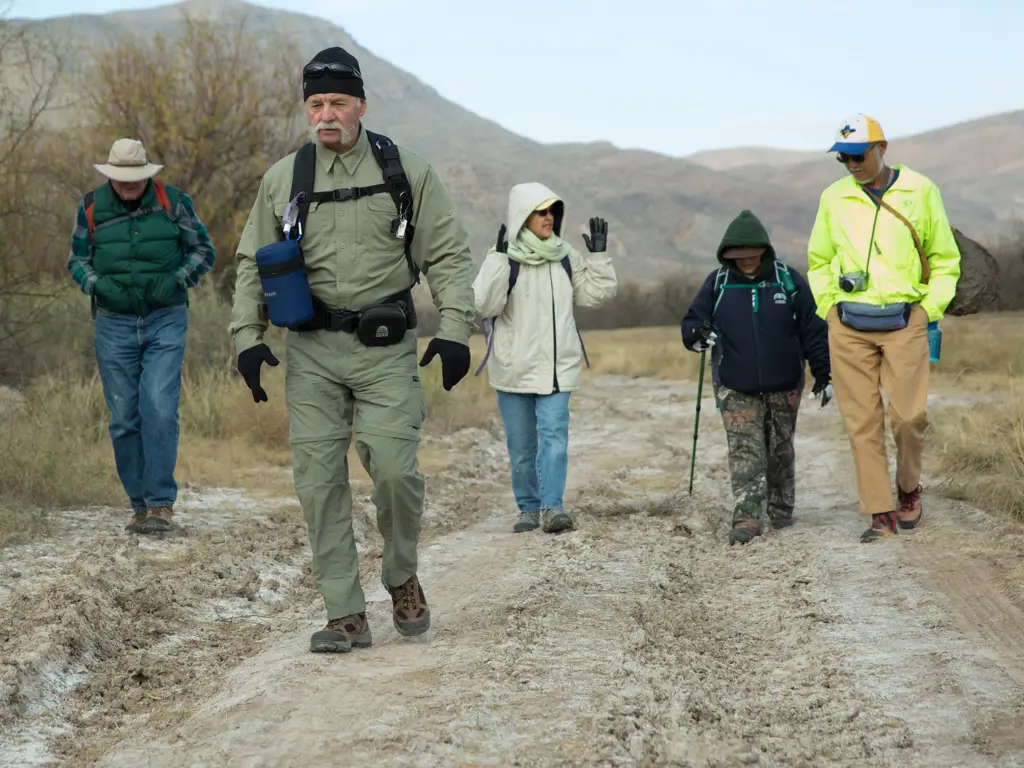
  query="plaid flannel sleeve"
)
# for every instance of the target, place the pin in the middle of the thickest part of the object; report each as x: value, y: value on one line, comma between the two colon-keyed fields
x: 195, y: 241
x: 80, y: 255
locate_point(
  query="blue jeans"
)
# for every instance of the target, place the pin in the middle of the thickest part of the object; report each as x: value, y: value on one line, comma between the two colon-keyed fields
x: 140, y: 361
x: 537, y: 435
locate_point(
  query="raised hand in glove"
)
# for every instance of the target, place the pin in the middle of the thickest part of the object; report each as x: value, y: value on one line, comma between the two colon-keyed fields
x: 249, y: 362
x: 502, y: 246
x: 454, y: 359
x: 598, y: 240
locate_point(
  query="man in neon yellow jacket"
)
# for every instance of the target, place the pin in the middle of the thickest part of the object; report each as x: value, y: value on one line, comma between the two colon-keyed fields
x: 882, y: 265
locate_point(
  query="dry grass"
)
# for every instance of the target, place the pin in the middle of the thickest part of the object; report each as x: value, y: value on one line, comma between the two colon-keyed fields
x: 980, y: 450
x: 977, y: 442
x: 57, y: 450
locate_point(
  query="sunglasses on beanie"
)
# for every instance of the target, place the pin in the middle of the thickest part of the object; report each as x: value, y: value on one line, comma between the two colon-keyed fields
x: 341, y: 71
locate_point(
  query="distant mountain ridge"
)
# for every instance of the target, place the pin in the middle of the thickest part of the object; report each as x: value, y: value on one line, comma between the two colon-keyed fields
x: 663, y: 212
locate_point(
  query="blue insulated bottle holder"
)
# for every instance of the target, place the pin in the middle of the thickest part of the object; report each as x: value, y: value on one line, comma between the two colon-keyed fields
x: 282, y: 272
x: 934, y: 341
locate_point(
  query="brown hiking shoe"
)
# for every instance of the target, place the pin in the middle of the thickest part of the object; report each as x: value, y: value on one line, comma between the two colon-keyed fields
x: 342, y: 635
x: 882, y: 525
x: 744, y: 531
x: 908, y: 515
x: 137, y: 524
x: 410, y: 611
x: 158, y: 519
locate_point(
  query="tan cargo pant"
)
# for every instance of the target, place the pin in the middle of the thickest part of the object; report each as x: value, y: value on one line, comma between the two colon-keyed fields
x: 331, y: 378
x: 898, y: 362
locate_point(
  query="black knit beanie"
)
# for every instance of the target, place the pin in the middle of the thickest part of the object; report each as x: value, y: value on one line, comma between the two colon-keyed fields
x: 329, y: 83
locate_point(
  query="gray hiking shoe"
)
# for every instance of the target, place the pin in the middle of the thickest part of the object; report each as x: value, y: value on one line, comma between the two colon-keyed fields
x: 527, y: 521
x: 137, y: 523
x: 556, y: 520
x: 342, y: 635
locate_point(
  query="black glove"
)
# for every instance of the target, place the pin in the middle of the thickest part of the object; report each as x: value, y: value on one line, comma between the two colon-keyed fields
x: 502, y: 246
x: 598, y: 240
x: 820, y: 382
x: 454, y: 360
x: 249, y: 363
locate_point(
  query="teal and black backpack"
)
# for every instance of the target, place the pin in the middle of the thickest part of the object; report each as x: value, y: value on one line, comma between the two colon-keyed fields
x: 783, y: 279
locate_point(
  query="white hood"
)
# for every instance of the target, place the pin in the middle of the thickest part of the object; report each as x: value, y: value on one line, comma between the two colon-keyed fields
x: 523, y: 199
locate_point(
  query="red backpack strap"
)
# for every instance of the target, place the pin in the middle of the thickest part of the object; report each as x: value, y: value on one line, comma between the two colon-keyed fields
x: 161, y: 197
x: 88, y: 203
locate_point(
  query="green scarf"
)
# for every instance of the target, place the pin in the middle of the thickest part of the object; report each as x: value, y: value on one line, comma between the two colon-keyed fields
x: 530, y: 249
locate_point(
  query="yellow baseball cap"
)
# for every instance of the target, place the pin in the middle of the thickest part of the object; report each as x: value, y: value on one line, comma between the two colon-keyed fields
x: 856, y: 134
x: 546, y: 204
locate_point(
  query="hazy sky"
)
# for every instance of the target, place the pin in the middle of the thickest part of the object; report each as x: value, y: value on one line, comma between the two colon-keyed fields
x: 678, y: 76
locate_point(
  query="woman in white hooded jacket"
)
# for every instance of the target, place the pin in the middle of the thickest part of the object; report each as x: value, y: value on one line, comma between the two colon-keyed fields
x: 534, y: 348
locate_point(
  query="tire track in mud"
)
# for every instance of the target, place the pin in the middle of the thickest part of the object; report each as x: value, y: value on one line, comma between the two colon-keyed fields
x: 640, y: 639
x: 974, y: 594
x: 972, y: 561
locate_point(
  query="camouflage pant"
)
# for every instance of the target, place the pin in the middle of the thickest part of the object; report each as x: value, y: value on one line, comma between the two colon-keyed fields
x: 761, y: 454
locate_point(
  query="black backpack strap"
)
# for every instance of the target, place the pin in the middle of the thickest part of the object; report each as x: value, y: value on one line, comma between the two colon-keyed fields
x: 386, y: 154
x: 513, y: 275
x: 567, y: 266
x: 303, y: 177
x: 395, y: 183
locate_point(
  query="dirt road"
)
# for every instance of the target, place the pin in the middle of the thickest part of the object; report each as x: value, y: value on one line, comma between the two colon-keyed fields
x: 640, y: 639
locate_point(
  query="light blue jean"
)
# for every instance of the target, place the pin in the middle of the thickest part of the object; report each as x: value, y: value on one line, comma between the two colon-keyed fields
x: 140, y: 361
x: 537, y: 435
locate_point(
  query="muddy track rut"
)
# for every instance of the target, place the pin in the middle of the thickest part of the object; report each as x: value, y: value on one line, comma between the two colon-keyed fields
x: 641, y: 639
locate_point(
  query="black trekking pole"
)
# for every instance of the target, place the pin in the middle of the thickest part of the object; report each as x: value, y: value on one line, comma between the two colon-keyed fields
x: 705, y: 332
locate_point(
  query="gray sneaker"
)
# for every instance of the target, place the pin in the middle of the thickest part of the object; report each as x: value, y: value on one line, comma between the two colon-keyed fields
x: 527, y: 521
x: 137, y: 523
x: 556, y: 520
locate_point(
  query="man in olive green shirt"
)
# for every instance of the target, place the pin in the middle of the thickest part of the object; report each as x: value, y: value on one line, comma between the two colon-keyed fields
x: 354, y: 252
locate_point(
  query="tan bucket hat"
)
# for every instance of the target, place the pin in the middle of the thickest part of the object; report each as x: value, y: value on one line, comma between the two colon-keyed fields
x: 128, y: 162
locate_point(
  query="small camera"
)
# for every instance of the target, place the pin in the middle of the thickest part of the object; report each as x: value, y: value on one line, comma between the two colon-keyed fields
x: 853, y: 282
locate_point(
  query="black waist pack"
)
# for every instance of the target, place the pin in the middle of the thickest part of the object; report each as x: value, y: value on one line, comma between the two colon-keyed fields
x: 386, y: 323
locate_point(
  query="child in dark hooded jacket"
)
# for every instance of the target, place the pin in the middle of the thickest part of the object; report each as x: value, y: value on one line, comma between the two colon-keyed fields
x: 763, y: 332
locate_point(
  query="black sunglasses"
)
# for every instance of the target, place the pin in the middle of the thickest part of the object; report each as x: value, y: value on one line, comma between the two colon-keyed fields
x: 546, y: 211
x: 320, y: 68
x: 844, y: 158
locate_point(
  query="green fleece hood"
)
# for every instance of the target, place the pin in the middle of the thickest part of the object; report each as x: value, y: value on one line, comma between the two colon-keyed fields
x: 746, y: 231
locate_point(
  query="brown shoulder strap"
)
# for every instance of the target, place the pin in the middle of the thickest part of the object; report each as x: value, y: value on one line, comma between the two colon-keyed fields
x: 925, y: 268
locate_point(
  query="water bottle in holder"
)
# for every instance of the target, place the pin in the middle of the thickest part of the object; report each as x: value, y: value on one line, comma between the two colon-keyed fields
x: 934, y: 341
x: 282, y: 271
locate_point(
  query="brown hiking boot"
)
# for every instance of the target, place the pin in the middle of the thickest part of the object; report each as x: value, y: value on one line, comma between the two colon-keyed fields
x: 410, y: 611
x: 158, y: 519
x: 137, y: 524
x: 908, y: 515
x: 744, y: 531
x: 882, y: 525
x: 342, y: 635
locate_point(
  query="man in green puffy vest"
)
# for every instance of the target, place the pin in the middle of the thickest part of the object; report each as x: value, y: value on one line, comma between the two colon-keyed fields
x: 136, y: 249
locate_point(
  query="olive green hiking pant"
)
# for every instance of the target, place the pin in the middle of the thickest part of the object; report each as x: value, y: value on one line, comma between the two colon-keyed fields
x: 331, y: 378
